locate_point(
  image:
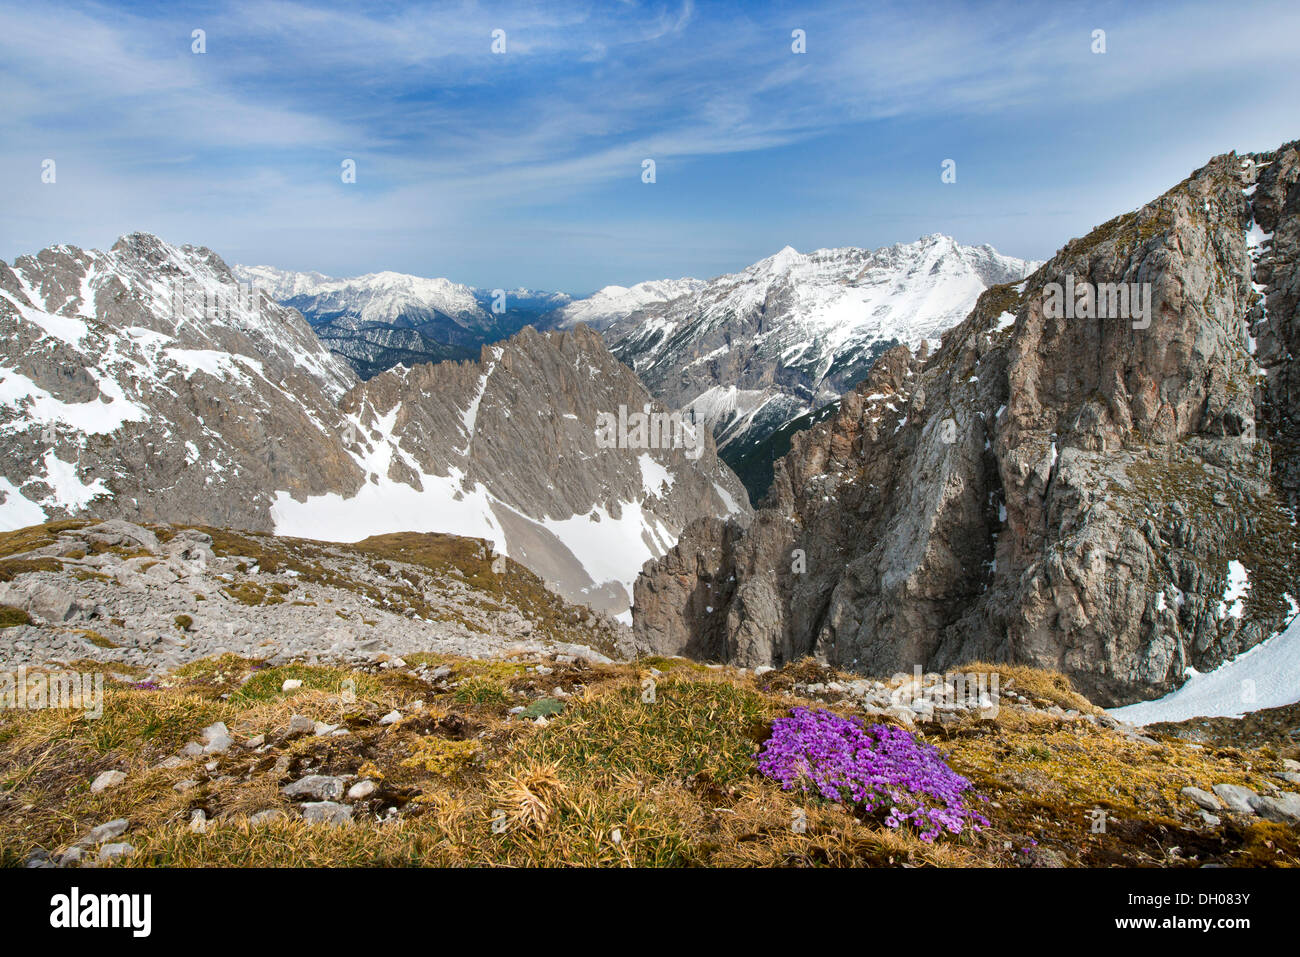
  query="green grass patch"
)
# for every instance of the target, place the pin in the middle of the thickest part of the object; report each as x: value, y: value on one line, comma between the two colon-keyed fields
x: 266, y: 685
x: 694, y: 727
x: 11, y: 617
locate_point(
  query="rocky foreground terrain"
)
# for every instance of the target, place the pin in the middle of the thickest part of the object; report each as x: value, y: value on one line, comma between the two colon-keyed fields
x: 1106, y: 496
x: 152, y: 599
x: 415, y: 700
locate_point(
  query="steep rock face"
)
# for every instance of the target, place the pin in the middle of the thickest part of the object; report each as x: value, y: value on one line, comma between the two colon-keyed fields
x: 1273, y: 240
x: 116, y: 402
x: 1070, y: 492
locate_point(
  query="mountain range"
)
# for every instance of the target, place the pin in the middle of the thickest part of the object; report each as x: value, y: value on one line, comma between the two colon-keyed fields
x: 751, y: 353
x: 144, y: 383
x: 380, y: 320
x: 1109, y: 494
x: 756, y: 350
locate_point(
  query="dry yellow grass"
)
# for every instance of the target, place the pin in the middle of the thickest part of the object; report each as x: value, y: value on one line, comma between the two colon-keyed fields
x: 616, y: 779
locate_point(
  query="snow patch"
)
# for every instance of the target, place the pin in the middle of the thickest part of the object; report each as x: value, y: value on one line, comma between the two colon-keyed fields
x: 1266, y: 676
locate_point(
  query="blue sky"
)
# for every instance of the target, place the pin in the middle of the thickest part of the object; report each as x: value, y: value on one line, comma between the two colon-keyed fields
x: 524, y: 168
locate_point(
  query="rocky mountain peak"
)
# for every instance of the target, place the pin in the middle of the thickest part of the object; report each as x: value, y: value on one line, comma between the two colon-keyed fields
x: 754, y: 351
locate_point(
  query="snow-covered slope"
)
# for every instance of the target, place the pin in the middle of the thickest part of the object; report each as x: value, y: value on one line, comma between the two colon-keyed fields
x: 617, y: 302
x: 281, y: 284
x: 506, y: 449
x: 388, y: 297
x: 1265, y: 676
x: 140, y: 379
x: 755, y: 349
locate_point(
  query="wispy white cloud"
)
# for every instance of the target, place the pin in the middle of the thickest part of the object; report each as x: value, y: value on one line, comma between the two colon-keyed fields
x: 454, y: 141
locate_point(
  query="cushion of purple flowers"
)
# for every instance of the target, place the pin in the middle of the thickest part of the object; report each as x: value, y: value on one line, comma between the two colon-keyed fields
x: 879, y: 767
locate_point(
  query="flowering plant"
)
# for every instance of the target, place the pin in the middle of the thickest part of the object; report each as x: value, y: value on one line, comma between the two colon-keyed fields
x: 879, y: 767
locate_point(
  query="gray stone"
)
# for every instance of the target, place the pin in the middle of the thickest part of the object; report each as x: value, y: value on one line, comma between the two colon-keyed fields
x: 1203, y: 799
x: 73, y: 855
x: 111, y: 852
x: 1284, y: 807
x: 326, y: 812
x: 361, y: 790
x: 106, y: 832
x: 41, y: 599
x: 216, y: 738
x: 1236, y: 798
x: 267, y: 816
x: 318, y: 787
x: 107, y: 779
x: 300, y: 724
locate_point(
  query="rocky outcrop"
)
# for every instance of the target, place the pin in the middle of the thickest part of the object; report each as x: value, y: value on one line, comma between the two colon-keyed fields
x: 153, y: 599
x: 1087, y: 494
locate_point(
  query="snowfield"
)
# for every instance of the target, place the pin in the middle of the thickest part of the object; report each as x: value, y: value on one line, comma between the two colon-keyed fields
x: 1266, y: 676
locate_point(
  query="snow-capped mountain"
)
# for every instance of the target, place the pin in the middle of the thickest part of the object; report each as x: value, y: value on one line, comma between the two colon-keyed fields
x: 379, y: 320
x: 281, y: 284
x: 143, y: 383
x: 754, y: 350
x: 390, y: 297
x: 617, y: 302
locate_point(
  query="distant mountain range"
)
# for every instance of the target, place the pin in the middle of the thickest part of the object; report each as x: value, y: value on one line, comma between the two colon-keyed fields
x: 383, y: 319
x: 756, y: 350
x: 614, y: 303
